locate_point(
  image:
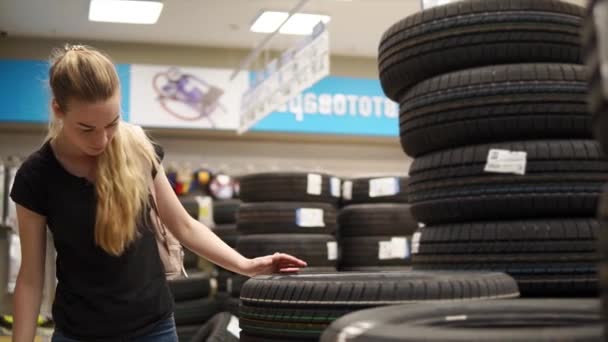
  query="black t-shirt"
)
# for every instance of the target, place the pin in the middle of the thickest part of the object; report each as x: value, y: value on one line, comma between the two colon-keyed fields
x: 98, y: 296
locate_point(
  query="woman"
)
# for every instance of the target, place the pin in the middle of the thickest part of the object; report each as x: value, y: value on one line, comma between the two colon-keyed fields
x: 90, y: 183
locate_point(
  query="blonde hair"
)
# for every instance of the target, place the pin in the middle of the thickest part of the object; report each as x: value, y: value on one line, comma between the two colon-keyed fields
x: 122, y: 182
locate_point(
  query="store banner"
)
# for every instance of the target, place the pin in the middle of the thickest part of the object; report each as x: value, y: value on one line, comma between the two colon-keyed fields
x: 337, y: 105
x: 283, y: 79
x: 185, y: 97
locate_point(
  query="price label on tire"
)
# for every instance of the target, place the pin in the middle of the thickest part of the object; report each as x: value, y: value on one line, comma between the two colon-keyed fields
x: 347, y: 190
x: 233, y: 327
x: 335, y: 186
x: 505, y: 161
x: 314, y: 184
x: 381, y: 187
x: 395, y: 248
x: 416, y: 242
x: 310, y: 217
x: 332, y: 250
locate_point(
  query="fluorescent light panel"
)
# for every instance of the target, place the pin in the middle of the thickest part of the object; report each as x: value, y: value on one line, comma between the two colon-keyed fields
x: 125, y: 11
x: 299, y: 23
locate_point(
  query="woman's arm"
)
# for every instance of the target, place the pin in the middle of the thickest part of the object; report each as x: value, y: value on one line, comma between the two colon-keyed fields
x: 30, y: 280
x: 201, y: 240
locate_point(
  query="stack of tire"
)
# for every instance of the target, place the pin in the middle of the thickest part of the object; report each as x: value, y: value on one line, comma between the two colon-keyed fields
x: 194, y: 302
x: 293, y: 213
x: 492, y: 108
x: 228, y: 283
x: 376, y: 225
x: 595, y: 39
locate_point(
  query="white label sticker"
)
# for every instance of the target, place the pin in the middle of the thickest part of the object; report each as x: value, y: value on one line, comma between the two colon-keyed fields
x: 416, y: 242
x: 421, y: 225
x: 332, y: 250
x: 315, y: 184
x: 400, y: 248
x: 205, y: 210
x: 233, y: 327
x: 505, y: 161
x: 381, y: 187
x: 395, y: 248
x: 385, y: 251
x: 347, y: 190
x: 335, y: 186
x: 310, y: 217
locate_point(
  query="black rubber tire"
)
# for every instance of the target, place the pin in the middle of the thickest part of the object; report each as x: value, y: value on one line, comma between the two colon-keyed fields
x: 377, y: 269
x: 364, y: 251
x: 196, y: 311
x: 185, y: 333
x: 475, y: 33
x: 303, y: 305
x: 282, y: 217
x: 520, y: 320
x: 230, y: 283
x: 597, y: 99
x: 563, y: 179
x: 190, y: 259
x: 224, y: 212
x: 546, y: 257
x: 228, y: 303
x: 245, y: 337
x: 311, y: 248
x: 284, y: 187
x: 190, y: 204
x: 376, y: 219
x: 495, y: 104
x: 196, y: 286
x: 360, y: 192
x: 215, y: 330
x: 228, y: 233
x: 603, y: 254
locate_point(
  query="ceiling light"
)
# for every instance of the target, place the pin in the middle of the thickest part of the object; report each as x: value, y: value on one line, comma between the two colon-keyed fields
x: 268, y: 21
x: 298, y: 23
x: 303, y: 23
x: 125, y: 11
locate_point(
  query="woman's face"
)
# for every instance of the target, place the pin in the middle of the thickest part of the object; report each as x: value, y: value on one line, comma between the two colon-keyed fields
x: 90, y: 126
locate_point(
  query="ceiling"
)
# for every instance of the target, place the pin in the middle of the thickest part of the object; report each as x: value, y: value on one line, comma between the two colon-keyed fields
x: 355, y: 28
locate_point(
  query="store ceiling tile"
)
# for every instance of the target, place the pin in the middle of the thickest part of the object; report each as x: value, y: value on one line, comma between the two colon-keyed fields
x: 355, y: 28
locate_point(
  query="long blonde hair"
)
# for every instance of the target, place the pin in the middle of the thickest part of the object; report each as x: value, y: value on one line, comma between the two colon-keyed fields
x: 123, y: 171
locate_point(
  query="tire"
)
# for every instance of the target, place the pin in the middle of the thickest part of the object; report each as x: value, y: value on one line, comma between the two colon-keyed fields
x: 369, y: 251
x: 593, y: 36
x: 301, y: 306
x: 289, y: 187
x: 196, y: 311
x: 286, y: 217
x: 224, y: 212
x: 228, y: 233
x: 376, y: 219
x: 230, y: 283
x: 546, y: 257
x: 228, y: 303
x: 603, y: 254
x: 196, y: 286
x: 190, y: 259
x: 476, y: 33
x: 495, y: 104
x: 562, y: 178
x: 502, y: 320
x: 360, y: 191
x: 185, y: 333
x: 376, y: 269
x: 216, y: 330
x: 312, y: 248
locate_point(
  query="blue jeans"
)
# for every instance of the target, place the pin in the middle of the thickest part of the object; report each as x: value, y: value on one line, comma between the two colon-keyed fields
x: 164, y: 332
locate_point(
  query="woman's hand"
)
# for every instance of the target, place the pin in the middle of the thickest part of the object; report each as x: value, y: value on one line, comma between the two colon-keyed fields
x: 275, y: 263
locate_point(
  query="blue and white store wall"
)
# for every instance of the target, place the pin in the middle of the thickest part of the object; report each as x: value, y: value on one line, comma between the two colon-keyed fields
x: 344, y: 124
